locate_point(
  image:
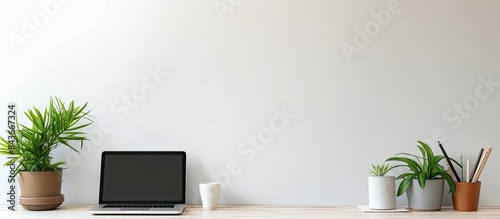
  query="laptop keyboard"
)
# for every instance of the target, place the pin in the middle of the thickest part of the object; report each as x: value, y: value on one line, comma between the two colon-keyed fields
x: 139, y: 206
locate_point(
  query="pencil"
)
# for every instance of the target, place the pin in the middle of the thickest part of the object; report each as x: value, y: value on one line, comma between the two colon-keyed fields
x: 451, y: 174
x: 481, y: 165
x: 476, y: 165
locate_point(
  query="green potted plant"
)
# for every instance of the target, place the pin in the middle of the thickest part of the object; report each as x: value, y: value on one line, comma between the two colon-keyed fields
x: 381, y: 188
x: 39, y: 176
x: 424, y: 181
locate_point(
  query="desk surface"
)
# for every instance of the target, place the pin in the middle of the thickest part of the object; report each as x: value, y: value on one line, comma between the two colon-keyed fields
x: 81, y: 211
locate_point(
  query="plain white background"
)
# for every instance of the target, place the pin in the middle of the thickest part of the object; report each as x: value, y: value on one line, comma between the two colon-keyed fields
x: 259, y: 93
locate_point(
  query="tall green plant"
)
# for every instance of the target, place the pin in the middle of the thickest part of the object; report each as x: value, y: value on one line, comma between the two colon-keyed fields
x: 58, y: 125
x: 421, y: 168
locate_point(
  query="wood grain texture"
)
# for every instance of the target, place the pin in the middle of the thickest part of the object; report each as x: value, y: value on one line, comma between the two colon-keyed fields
x: 344, y: 212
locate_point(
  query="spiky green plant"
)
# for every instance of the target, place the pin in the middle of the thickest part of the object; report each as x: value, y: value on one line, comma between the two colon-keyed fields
x: 380, y: 170
x: 58, y: 125
x: 421, y: 168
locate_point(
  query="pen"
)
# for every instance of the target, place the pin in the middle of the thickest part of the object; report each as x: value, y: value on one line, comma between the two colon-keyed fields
x: 449, y: 162
x: 467, y: 173
x: 462, y: 164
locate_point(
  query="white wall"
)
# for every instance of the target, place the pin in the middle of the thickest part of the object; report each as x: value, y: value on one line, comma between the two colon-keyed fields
x: 219, y: 78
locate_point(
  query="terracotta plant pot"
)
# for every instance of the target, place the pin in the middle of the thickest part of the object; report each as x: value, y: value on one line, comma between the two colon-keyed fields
x: 40, y: 190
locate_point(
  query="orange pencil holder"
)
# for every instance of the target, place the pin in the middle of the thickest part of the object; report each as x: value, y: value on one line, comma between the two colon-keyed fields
x: 466, y: 196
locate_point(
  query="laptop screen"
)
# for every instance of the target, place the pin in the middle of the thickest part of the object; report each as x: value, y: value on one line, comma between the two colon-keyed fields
x: 143, y: 177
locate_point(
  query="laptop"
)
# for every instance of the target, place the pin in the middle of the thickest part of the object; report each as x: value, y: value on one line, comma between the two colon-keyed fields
x: 142, y: 182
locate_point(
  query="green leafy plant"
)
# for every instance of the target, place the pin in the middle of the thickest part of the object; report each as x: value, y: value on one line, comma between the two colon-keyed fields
x: 58, y: 125
x: 421, y: 168
x: 380, y: 170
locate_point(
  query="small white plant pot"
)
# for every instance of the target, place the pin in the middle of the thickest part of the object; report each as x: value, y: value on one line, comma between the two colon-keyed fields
x: 382, y: 192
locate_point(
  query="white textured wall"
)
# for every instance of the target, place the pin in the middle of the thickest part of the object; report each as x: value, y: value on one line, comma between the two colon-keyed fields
x: 284, y: 102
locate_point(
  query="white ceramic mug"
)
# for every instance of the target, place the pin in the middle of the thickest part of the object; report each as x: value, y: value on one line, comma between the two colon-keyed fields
x: 209, y: 192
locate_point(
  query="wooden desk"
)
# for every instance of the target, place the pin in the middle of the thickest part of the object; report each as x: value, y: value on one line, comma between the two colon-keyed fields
x: 68, y: 212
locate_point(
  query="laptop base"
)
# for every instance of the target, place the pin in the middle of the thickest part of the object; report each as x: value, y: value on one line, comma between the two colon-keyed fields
x: 176, y: 210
